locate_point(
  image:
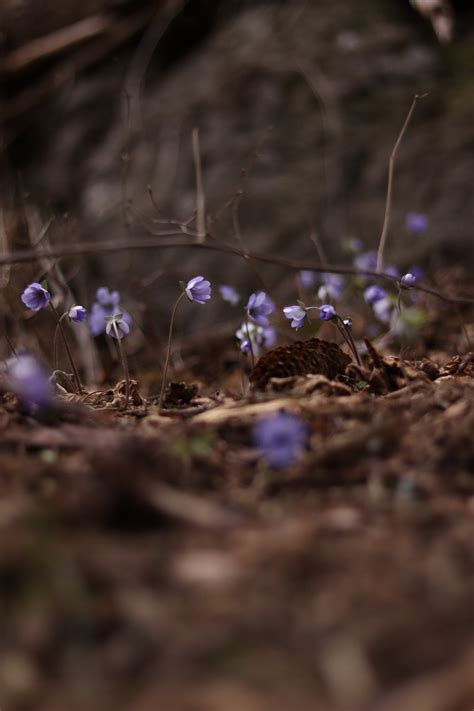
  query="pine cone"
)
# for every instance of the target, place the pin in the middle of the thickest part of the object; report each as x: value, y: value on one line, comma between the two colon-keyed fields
x: 312, y: 357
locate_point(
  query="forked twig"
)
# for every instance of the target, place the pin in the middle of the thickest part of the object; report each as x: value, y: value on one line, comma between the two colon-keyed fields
x: 391, y: 167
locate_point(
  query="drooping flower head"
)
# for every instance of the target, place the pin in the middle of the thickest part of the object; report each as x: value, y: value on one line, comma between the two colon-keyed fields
x: 416, y: 222
x: 373, y: 294
x: 229, y: 294
x: 347, y: 322
x: 77, y: 313
x: 28, y: 380
x: 296, y: 314
x: 408, y: 279
x: 116, y: 326
x: 198, y: 289
x: 107, y: 305
x: 259, y: 307
x: 281, y: 438
x: 327, y: 312
x: 36, y: 297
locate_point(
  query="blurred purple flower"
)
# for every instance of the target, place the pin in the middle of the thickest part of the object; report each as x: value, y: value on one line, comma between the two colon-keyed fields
x: 229, y: 294
x: 198, y: 289
x: 307, y: 278
x: 107, y: 305
x: 327, y: 312
x: 408, y: 279
x: 280, y: 438
x: 107, y: 298
x: 260, y: 337
x: 392, y: 270
x: 383, y: 309
x: 332, y: 287
x: 259, y: 307
x: 28, y: 380
x: 416, y: 222
x: 366, y: 262
x: 297, y: 315
x: 35, y: 297
x: 117, y: 327
x: 77, y: 313
x: 373, y: 294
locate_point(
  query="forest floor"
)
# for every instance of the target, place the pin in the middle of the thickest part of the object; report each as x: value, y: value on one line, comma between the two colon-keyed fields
x: 152, y: 559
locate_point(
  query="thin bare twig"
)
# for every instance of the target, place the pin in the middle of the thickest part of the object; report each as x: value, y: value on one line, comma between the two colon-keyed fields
x: 391, y: 167
x: 112, y: 246
x: 200, y: 196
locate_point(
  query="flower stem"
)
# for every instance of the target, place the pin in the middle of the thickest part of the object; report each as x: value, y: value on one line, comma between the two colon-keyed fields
x: 168, y: 350
x: 347, y: 335
x: 68, y: 350
x: 252, y: 357
x: 123, y: 360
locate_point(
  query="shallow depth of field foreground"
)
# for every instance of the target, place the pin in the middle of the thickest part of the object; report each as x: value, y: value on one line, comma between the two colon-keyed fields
x: 237, y: 356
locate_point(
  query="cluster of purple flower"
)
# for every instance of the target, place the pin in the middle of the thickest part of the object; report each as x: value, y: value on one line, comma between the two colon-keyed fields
x: 256, y: 333
x: 298, y: 313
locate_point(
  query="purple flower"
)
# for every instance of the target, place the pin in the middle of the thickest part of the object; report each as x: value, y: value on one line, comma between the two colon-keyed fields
x: 332, y: 287
x: 416, y: 222
x: 36, y: 297
x: 366, y: 262
x: 28, y: 380
x: 307, y: 279
x: 373, y: 294
x: 116, y: 326
x: 256, y: 336
x: 347, y: 323
x: 77, y: 313
x: 327, y: 312
x: 198, y: 289
x: 383, y: 309
x: 107, y: 305
x: 229, y: 294
x: 259, y: 307
x: 392, y: 270
x: 280, y: 438
x: 408, y: 279
x: 107, y: 298
x: 297, y: 315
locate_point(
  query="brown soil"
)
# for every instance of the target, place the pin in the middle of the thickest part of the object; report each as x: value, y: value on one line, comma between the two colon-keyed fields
x: 153, y: 560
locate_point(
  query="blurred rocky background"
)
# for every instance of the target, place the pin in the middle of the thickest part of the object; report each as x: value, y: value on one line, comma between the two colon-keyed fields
x: 100, y: 99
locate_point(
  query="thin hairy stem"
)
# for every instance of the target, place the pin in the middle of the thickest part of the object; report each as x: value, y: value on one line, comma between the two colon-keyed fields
x: 391, y: 167
x: 349, y: 339
x: 68, y: 350
x: 168, y: 349
x: 247, y: 328
x: 124, y: 363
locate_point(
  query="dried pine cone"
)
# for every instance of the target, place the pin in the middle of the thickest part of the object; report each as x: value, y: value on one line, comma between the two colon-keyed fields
x: 310, y: 357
